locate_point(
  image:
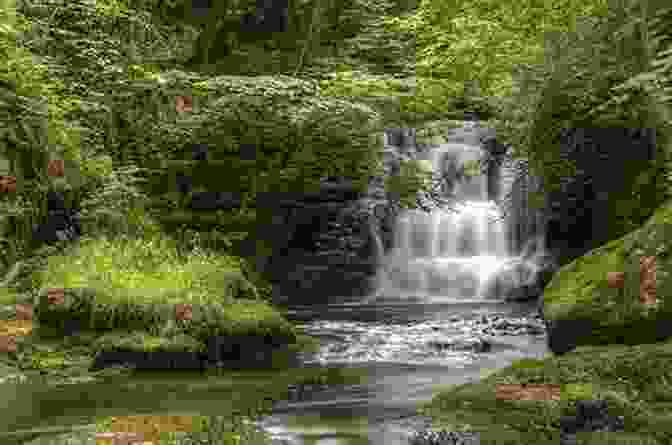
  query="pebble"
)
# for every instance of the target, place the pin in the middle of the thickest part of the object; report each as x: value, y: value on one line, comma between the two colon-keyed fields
x: 443, y: 437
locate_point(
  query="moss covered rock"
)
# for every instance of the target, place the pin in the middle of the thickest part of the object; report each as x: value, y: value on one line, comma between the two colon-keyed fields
x: 581, y: 309
x: 633, y: 380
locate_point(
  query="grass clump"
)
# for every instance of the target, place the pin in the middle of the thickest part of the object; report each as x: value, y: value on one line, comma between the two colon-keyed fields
x: 144, y: 270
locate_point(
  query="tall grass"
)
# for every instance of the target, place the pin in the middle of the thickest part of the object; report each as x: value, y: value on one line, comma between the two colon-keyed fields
x: 142, y: 269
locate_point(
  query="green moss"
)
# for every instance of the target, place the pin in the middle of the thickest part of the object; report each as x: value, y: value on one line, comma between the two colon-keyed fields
x: 578, y: 391
x: 576, y: 282
x: 580, y: 287
x: 527, y: 363
x: 240, y: 319
x: 53, y: 360
x: 139, y: 341
x: 633, y: 380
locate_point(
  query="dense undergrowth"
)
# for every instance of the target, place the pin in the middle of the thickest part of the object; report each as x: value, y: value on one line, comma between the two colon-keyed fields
x: 94, y: 83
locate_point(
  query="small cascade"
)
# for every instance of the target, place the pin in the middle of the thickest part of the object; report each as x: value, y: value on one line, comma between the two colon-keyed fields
x: 456, y: 253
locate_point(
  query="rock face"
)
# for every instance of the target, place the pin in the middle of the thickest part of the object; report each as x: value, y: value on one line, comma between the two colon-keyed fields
x: 591, y: 416
x: 62, y: 223
x: 588, y: 209
x: 581, y: 308
x: 520, y: 280
x: 509, y: 183
x: 316, y: 245
x: 328, y: 245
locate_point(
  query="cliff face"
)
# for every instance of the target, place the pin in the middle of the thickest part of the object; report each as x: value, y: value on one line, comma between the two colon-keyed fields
x: 328, y: 245
x: 591, y: 207
x: 526, y: 223
x: 509, y: 182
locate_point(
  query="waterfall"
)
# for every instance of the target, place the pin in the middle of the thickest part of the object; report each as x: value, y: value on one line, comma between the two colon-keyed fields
x: 454, y: 253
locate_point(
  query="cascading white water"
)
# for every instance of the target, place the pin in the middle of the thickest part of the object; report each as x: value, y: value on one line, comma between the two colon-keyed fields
x: 448, y: 253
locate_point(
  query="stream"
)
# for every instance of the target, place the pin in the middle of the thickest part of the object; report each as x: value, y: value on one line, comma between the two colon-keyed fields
x: 433, y: 322
x: 407, y: 349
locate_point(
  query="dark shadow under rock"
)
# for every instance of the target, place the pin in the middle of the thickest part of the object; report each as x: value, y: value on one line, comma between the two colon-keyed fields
x: 563, y: 335
x: 240, y: 353
x: 249, y: 353
x: 148, y: 360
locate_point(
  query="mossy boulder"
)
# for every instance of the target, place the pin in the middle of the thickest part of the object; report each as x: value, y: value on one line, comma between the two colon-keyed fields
x: 82, y: 309
x: 143, y: 342
x: 144, y: 351
x: 240, y: 319
x: 633, y: 380
x: 581, y: 309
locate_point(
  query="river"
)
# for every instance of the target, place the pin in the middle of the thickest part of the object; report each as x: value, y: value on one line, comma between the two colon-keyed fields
x: 409, y: 350
x: 429, y: 325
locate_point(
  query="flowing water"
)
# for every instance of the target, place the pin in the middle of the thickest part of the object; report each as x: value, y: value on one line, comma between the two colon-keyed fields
x: 428, y: 325
x: 430, y: 322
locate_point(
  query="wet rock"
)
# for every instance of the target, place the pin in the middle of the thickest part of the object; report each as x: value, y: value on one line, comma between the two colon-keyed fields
x: 591, y: 416
x: 62, y: 223
x: 338, y: 226
x: 518, y: 281
x: 483, y: 346
x: 199, y: 152
x: 497, y: 326
x: 477, y: 345
x: 563, y: 335
x: 443, y: 437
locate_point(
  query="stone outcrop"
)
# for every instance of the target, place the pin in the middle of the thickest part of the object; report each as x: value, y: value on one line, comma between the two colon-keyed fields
x: 591, y: 416
x: 328, y: 245
x: 316, y: 245
x: 510, y: 184
x: 521, y: 280
x: 585, y: 212
x: 588, y: 209
x: 582, y: 308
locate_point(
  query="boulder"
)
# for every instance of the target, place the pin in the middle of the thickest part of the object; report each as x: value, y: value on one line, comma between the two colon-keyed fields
x: 591, y: 416
x: 62, y: 223
x: 519, y: 280
x: 582, y: 307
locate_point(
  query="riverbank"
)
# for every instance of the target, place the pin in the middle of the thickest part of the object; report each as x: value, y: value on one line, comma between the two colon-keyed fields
x: 102, y: 297
x: 154, y: 310
x: 636, y: 382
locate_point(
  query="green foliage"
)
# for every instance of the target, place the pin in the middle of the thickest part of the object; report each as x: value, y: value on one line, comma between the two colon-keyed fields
x: 107, y: 60
x: 577, y: 391
x: 300, y: 135
x: 414, y: 177
x: 602, y: 73
x: 459, y: 42
x: 144, y: 269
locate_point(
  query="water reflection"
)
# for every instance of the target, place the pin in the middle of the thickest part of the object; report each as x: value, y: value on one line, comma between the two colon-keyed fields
x: 38, y: 406
x: 405, y: 351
